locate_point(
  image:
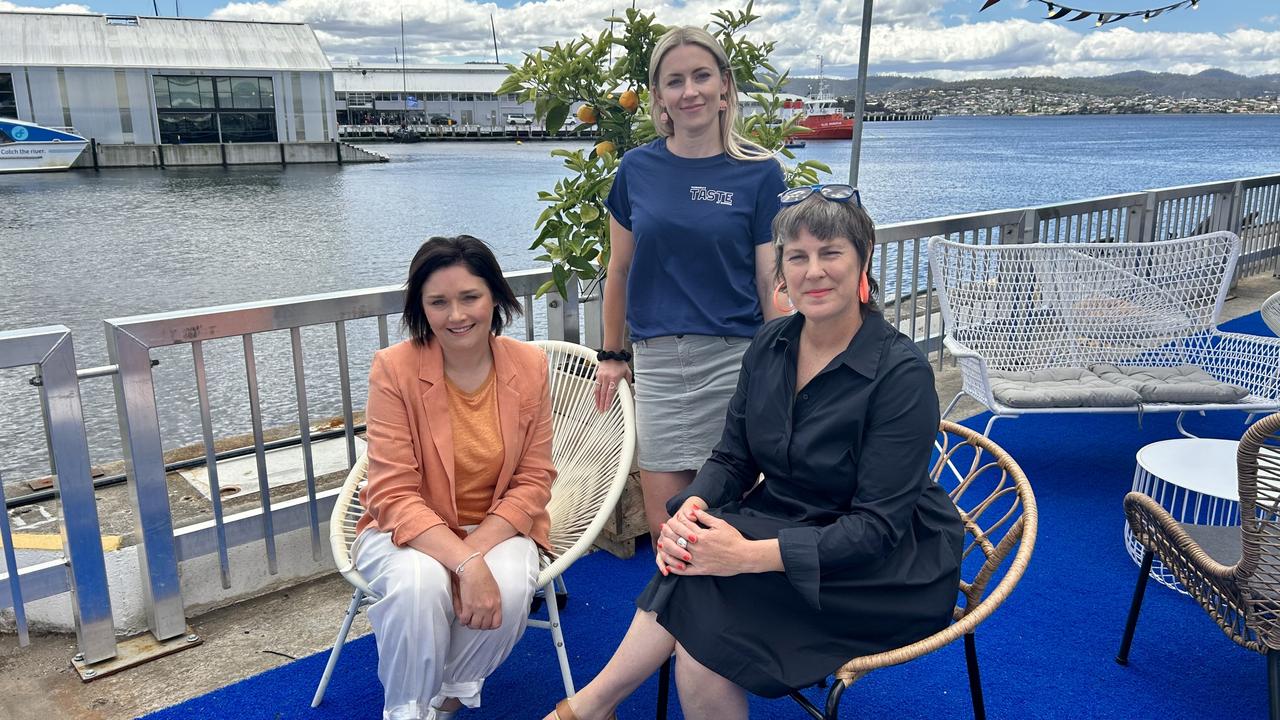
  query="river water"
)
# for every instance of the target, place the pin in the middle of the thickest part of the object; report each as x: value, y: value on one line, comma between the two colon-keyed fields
x: 79, y: 247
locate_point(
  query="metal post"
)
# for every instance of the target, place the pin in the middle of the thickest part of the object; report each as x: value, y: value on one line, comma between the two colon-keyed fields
x: 593, y: 316
x: 864, y: 51
x: 148, y: 490
x: 51, y: 348
x: 90, y: 599
x: 562, y: 314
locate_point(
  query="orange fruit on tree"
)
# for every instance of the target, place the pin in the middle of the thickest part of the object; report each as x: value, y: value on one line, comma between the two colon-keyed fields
x: 604, y: 147
x: 587, y: 114
x: 629, y: 101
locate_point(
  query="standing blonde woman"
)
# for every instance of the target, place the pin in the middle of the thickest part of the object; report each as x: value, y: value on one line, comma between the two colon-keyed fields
x: 690, y: 270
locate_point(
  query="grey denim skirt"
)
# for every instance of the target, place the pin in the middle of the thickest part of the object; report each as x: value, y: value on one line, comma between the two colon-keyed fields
x: 683, y: 386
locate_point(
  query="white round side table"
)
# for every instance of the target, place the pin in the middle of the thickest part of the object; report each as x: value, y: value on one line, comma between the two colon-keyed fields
x: 1195, y: 480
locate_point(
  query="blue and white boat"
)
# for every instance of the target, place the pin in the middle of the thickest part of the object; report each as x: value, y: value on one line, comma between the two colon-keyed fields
x: 26, y: 147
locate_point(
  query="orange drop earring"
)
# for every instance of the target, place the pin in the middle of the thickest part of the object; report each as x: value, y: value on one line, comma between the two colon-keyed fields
x: 864, y: 290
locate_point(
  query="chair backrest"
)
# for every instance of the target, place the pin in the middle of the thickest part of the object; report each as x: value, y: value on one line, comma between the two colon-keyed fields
x: 1258, y: 572
x: 592, y: 452
x: 1271, y: 313
x: 1037, y: 305
x: 1000, y: 519
x: 347, y: 510
x: 998, y: 508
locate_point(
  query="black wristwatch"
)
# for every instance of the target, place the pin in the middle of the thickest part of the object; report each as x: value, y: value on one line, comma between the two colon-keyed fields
x: 623, y: 355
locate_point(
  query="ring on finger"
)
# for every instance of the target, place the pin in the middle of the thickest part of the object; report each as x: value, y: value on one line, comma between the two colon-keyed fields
x: 684, y: 544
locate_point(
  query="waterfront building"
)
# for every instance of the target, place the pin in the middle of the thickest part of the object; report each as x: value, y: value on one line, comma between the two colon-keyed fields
x: 123, y: 79
x: 448, y: 93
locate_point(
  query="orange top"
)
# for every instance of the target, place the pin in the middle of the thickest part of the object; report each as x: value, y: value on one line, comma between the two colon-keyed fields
x: 411, y: 471
x: 477, y: 448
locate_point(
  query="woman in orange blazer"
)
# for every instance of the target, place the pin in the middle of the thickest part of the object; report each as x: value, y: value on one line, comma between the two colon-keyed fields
x: 459, y: 432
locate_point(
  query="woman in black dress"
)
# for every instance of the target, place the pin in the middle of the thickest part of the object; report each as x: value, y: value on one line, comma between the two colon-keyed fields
x: 846, y: 546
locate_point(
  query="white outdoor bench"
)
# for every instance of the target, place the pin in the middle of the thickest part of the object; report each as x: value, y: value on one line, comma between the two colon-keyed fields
x: 1100, y: 327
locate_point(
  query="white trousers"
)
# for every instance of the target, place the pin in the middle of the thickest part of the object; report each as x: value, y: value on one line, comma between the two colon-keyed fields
x: 424, y: 654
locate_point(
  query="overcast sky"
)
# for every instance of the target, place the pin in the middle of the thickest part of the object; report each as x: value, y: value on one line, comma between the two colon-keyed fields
x: 947, y: 39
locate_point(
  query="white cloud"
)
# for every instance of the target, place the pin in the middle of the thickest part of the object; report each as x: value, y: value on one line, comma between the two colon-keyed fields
x: 6, y: 6
x: 909, y: 36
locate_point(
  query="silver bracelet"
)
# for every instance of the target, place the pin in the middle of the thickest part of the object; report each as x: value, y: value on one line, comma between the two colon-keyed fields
x: 472, y: 556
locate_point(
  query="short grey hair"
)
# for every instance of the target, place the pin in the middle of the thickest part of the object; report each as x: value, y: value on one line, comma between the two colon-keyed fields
x: 827, y: 220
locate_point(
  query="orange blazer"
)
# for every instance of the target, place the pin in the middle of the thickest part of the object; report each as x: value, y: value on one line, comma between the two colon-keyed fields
x: 411, y: 475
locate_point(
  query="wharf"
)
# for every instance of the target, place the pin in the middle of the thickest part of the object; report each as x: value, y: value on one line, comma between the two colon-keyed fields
x: 269, y: 630
x: 103, y: 156
x: 431, y: 133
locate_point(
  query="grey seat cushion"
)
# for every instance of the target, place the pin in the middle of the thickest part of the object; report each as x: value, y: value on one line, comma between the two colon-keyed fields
x: 1180, y: 384
x: 1058, y: 388
x: 1221, y: 543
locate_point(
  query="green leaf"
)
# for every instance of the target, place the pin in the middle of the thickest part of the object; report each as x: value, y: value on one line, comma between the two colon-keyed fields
x: 560, y: 276
x: 555, y: 116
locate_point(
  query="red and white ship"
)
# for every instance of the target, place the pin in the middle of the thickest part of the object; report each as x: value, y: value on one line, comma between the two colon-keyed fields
x: 825, y: 119
x: 823, y: 116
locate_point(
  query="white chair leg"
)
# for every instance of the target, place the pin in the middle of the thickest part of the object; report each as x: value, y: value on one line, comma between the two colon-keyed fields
x: 557, y: 638
x: 356, y: 597
x: 561, y: 589
x: 952, y: 405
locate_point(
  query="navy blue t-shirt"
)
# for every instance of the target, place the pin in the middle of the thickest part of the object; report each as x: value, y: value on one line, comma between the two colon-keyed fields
x: 696, y: 222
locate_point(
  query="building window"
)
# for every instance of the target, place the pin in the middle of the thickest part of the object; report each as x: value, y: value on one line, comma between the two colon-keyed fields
x: 123, y: 20
x: 8, y: 100
x: 213, y: 109
x: 186, y: 127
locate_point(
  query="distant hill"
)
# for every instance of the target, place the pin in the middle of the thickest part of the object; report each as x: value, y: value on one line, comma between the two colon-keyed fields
x: 1206, y: 84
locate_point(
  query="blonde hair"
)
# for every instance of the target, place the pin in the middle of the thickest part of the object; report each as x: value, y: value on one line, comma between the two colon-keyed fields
x: 735, y: 145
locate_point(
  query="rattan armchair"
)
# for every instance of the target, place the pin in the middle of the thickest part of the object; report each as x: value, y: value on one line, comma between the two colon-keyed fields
x: 1000, y: 519
x: 1233, y: 573
x: 592, y: 452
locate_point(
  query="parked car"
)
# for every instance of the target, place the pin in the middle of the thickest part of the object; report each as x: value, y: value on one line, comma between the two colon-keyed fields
x: 442, y: 120
x: 519, y: 119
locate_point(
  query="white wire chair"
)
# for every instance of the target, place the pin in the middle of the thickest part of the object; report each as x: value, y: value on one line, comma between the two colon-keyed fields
x: 1271, y: 313
x: 592, y: 452
x: 1020, y: 309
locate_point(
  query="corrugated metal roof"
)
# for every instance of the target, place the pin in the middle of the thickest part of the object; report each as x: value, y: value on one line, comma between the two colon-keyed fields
x: 423, y: 78
x: 47, y: 39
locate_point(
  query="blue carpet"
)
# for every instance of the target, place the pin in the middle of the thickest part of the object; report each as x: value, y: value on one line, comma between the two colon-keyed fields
x: 1046, y: 653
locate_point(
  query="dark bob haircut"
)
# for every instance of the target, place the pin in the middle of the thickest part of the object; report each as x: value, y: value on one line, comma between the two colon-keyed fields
x: 442, y: 252
x: 827, y: 220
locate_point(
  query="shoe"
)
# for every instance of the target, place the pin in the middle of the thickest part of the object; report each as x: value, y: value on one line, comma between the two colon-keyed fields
x: 564, y: 712
x: 438, y: 714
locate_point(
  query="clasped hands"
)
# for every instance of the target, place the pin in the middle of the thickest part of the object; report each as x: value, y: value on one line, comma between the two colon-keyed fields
x: 710, y: 545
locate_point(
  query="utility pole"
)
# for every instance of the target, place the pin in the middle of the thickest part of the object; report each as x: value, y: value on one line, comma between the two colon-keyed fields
x: 860, y: 111
x: 404, y: 77
x: 494, y: 28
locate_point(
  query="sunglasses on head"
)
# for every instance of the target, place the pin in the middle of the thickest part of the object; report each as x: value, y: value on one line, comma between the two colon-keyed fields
x: 838, y: 192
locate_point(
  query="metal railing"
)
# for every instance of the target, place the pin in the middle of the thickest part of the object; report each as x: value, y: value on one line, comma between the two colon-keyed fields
x: 1249, y: 207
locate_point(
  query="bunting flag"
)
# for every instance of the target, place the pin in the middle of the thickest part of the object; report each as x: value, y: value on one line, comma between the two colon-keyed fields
x: 1057, y: 11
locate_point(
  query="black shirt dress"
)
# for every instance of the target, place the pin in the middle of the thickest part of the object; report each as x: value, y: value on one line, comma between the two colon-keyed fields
x: 870, y: 544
